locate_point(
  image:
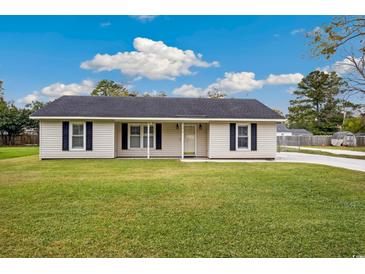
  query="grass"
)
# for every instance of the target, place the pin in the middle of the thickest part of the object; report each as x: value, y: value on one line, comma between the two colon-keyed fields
x: 13, y: 152
x: 339, y: 148
x: 317, y: 152
x: 165, y: 208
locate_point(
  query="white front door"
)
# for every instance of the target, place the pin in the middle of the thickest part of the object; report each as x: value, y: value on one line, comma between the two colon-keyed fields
x: 189, y: 140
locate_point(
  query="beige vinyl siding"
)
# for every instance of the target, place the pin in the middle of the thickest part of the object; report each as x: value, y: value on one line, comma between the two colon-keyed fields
x: 171, y: 143
x: 51, y: 141
x: 219, y: 142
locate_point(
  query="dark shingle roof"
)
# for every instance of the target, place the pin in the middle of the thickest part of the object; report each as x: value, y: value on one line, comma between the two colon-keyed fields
x: 162, y: 107
x: 294, y: 131
x: 282, y: 128
x: 300, y: 131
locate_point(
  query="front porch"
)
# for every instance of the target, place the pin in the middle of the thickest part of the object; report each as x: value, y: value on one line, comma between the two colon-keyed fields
x: 161, y: 140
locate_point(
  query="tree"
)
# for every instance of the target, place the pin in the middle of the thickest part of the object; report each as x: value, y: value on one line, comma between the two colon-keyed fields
x: 317, y: 107
x: 2, y: 100
x: 111, y: 88
x: 30, y: 108
x: 355, y: 124
x: 346, y: 33
x: 1, y: 89
x: 155, y: 94
x: 13, y: 121
x: 278, y: 111
x: 216, y: 93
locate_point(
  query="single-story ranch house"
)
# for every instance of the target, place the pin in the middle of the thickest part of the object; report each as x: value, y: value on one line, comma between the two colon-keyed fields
x: 109, y: 127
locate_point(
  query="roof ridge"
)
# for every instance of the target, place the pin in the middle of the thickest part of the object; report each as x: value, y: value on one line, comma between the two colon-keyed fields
x: 158, y: 97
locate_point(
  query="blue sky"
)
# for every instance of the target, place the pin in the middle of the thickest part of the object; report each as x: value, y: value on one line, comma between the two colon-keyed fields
x: 44, y: 57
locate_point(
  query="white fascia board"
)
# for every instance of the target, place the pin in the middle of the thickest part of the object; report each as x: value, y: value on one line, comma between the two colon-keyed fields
x: 178, y: 119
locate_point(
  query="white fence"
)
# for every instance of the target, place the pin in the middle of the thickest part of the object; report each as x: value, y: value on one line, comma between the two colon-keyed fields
x: 315, y: 140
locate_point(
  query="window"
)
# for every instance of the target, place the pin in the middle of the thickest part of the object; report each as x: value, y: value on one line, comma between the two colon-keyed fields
x: 135, y: 136
x: 77, y: 136
x: 138, y: 136
x: 242, y: 137
x: 145, y: 136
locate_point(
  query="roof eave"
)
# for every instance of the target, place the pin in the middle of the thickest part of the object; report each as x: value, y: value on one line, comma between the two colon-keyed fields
x: 156, y: 119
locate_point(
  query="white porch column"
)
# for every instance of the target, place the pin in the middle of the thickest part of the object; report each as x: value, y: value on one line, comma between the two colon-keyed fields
x: 148, y: 140
x: 182, y: 140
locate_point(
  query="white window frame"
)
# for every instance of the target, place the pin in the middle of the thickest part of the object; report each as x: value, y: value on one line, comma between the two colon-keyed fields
x: 141, y: 126
x: 71, y: 134
x: 248, y: 137
x: 154, y: 135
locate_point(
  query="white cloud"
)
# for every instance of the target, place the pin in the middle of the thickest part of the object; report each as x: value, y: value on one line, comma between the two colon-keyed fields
x: 189, y: 91
x: 28, y: 99
x: 315, y: 30
x: 152, y: 59
x: 105, y: 24
x: 345, y: 66
x: 284, y: 79
x: 342, y: 67
x: 236, y: 82
x: 144, y: 18
x: 56, y: 90
x: 296, y: 31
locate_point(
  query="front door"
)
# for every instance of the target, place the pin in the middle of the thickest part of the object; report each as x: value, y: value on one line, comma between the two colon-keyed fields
x: 189, y: 140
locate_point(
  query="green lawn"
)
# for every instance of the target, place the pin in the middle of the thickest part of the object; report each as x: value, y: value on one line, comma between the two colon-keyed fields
x: 13, y: 152
x: 341, y: 148
x: 165, y: 208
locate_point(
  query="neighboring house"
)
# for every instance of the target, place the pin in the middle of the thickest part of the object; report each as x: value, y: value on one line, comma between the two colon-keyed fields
x: 300, y: 132
x: 109, y: 127
x: 282, y: 130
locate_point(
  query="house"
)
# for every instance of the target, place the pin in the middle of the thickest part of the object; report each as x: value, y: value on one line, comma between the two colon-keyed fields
x: 300, y: 132
x: 110, y: 127
x: 282, y: 130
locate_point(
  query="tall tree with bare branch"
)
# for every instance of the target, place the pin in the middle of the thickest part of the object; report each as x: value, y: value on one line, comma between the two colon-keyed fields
x: 344, y: 35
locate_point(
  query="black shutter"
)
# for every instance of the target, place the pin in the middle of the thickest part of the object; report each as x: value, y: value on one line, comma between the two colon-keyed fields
x: 65, y: 132
x: 158, y: 136
x: 89, y: 135
x: 232, y: 136
x: 124, y: 136
x: 253, y: 136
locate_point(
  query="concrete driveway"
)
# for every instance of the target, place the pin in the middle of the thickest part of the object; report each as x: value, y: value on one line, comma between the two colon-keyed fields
x: 294, y: 157
x: 333, y: 151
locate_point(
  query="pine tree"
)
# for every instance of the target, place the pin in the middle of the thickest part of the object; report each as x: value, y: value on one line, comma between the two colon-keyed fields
x: 111, y: 88
x: 317, y: 106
